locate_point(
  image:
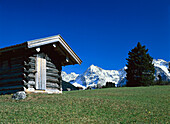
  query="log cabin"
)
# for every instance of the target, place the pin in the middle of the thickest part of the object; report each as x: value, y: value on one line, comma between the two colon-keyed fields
x: 36, y: 65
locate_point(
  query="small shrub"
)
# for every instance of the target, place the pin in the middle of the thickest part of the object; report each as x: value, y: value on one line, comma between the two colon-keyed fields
x: 109, y: 85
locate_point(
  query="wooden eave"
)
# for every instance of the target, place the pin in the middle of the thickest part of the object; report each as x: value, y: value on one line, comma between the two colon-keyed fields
x: 56, y: 39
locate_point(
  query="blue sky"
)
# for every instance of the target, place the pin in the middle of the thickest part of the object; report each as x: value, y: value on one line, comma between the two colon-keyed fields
x: 101, y: 32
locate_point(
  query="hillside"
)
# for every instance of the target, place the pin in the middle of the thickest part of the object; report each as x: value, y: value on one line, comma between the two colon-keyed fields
x: 116, y: 105
x: 67, y: 86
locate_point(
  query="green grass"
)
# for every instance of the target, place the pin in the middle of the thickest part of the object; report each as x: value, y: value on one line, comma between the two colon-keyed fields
x: 102, y: 106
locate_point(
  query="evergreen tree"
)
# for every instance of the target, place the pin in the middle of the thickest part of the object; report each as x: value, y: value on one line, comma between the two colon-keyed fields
x: 140, y: 70
x: 169, y: 67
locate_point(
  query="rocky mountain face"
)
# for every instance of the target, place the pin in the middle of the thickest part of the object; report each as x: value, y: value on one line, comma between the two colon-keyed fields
x: 161, y: 68
x: 95, y: 76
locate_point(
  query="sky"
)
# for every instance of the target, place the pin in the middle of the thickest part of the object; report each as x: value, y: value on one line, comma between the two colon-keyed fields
x: 101, y: 32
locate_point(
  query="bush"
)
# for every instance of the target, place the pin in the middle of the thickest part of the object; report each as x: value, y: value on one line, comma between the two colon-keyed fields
x: 109, y: 85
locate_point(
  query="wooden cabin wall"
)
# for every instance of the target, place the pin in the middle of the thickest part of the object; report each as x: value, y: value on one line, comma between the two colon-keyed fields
x: 18, y: 69
x: 54, y: 61
x: 53, y: 72
x: 12, y: 72
x: 30, y: 63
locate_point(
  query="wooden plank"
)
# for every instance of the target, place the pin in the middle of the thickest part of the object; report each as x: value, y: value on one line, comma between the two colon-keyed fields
x: 41, y: 73
x: 31, y: 75
x: 12, y: 67
x: 17, y: 58
x: 55, y: 75
x: 11, y: 91
x: 31, y: 70
x: 31, y: 65
x: 16, y: 65
x: 10, y: 80
x: 5, y: 64
x: 31, y: 79
x: 53, y: 80
x: 13, y: 70
x: 37, y: 75
x: 11, y: 62
x: 31, y: 82
x: 17, y: 53
x: 52, y: 70
x: 52, y: 85
x: 32, y: 58
x: 11, y: 87
x: 13, y: 75
x: 50, y: 64
x: 11, y: 83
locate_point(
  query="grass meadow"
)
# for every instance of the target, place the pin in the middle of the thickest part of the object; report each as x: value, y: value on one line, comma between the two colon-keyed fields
x: 100, y: 106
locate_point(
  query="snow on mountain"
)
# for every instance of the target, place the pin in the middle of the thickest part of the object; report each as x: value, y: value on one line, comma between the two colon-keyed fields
x: 68, y: 77
x: 162, y: 64
x: 161, y: 68
x: 95, y: 76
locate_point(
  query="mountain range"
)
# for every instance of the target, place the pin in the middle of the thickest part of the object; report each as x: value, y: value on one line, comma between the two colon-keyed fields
x: 95, y: 76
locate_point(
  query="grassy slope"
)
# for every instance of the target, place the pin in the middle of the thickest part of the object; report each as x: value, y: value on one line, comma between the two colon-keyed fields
x: 122, y: 105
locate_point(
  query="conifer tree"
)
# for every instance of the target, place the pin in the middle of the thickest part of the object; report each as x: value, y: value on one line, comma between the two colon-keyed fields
x: 140, y: 70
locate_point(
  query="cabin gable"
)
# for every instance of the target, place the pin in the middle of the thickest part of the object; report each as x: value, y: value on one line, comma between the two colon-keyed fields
x: 35, y: 65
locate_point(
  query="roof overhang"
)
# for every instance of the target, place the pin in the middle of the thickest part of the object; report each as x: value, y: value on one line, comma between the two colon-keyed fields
x: 66, y: 50
x: 54, y: 39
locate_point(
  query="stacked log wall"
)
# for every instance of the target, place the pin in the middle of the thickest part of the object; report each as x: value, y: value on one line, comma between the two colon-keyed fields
x: 11, y: 74
x: 17, y: 70
x: 53, y: 73
x: 31, y: 71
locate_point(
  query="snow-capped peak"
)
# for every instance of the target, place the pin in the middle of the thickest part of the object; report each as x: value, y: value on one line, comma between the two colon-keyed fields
x: 161, y: 68
x: 96, y: 76
x: 93, y: 68
x: 69, y: 77
x: 160, y: 62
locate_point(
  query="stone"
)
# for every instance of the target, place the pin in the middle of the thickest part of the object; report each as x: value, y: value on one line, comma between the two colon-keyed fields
x: 68, y: 89
x: 19, y: 95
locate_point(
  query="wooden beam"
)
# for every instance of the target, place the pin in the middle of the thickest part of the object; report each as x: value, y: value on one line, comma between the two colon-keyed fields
x: 56, y: 75
x: 53, y: 80
x: 59, y: 49
x: 12, y: 75
x: 11, y: 80
x: 11, y: 84
x: 12, y: 70
x: 10, y: 87
x: 52, y: 85
x: 52, y: 70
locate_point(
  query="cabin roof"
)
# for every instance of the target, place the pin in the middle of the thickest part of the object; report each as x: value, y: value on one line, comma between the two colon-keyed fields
x: 44, y: 41
x: 13, y: 47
